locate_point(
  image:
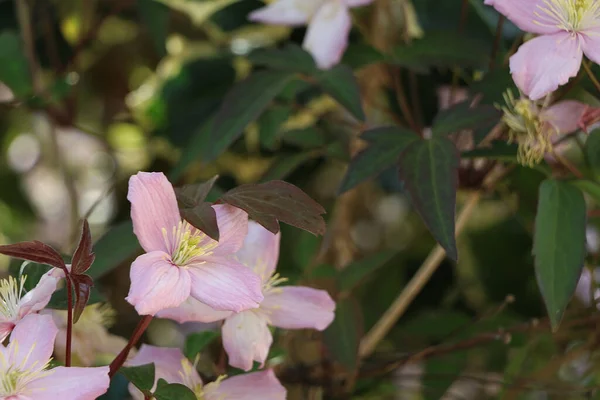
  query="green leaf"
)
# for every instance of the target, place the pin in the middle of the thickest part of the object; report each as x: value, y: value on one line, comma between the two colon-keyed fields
x: 340, y: 83
x: 242, y: 105
x: 383, y: 152
x: 429, y: 169
x: 114, y: 247
x: 155, y: 17
x: 342, y: 337
x: 285, y: 164
x: 356, y: 272
x: 196, y: 342
x: 306, y: 139
x: 14, y: 69
x: 462, y: 116
x: 58, y: 301
x: 360, y: 55
x: 441, y: 372
x: 194, y: 148
x: 142, y: 376
x: 270, y: 202
x: 559, y: 244
x: 592, y: 150
x: 498, y: 150
x: 291, y: 58
x: 441, y: 49
x: 590, y: 187
x: 270, y: 123
x: 173, y: 391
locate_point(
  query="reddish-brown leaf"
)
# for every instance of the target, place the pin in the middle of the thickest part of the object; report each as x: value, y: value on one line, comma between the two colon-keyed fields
x: 82, y: 286
x: 270, y: 202
x: 189, y: 196
x: 34, y: 251
x: 83, y: 256
x: 195, y: 210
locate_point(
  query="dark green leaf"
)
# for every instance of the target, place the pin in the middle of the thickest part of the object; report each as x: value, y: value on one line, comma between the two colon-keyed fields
x: 442, y: 49
x: 116, y: 246
x: 155, y: 16
x: 196, y: 342
x: 342, y: 337
x: 270, y: 122
x: 559, y: 244
x: 355, y: 273
x: 493, y: 86
x: 142, y: 376
x: 384, y: 151
x: 192, y: 151
x: 195, y: 210
x: 285, y: 164
x: 270, y: 202
x: 174, y: 391
x: 592, y: 150
x: 360, y: 55
x: 308, y: 138
x: 441, y: 372
x: 340, y: 83
x: 59, y: 298
x: 590, y: 187
x: 461, y: 116
x: 291, y: 58
x: 429, y: 171
x: 243, y: 104
x: 498, y: 150
x: 14, y: 69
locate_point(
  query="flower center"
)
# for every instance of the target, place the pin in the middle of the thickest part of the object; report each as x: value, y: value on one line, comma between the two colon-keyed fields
x: 570, y: 15
x: 270, y: 285
x: 14, y: 378
x: 532, y: 134
x: 11, y: 292
x: 189, y: 379
x: 187, y: 243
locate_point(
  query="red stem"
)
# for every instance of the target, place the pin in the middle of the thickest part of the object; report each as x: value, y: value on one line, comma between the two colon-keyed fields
x: 69, y: 319
x: 137, y: 334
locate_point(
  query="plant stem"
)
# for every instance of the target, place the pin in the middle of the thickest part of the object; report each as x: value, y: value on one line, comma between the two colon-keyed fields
x: 69, y: 320
x: 416, y: 284
x: 588, y: 71
x: 135, y: 337
x: 497, y: 40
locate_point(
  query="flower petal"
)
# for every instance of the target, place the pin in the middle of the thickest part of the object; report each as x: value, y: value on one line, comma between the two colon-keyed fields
x: 153, y: 208
x: 5, y: 330
x: 565, y: 116
x: 260, y: 250
x: 39, y: 297
x: 32, y: 341
x: 246, y: 338
x: 193, y: 310
x: 591, y: 44
x: 298, y: 307
x: 286, y: 12
x: 529, y: 15
x: 357, y: 3
x: 233, y: 227
x: 70, y: 383
x: 225, y: 285
x: 156, y: 284
x: 167, y: 362
x: 256, y: 385
x: 543, y: 64
x: 327, y: 34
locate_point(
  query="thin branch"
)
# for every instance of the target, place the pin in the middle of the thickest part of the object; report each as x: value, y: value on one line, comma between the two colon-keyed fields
x: 589, y: 72
x: 135, y: 337
x: 497, y: 40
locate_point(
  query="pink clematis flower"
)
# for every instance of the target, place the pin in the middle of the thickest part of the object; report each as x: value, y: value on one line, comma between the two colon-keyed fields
x: 328, y: 21
x: 181, y: 261
x: 15, y: 304
x: 24, y: 372
x: 171, y: 365
x: 246, y: 335
x: 567, y: 28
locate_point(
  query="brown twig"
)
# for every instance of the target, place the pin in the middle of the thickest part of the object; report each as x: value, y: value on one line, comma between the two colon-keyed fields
x: 497, y: 40
x: 590, y: 74
x: 135, y: 337
x: 69, y: 288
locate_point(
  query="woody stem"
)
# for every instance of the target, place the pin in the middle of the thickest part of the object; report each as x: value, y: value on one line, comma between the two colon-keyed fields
x: 69, y: 320
x: 135, y: 337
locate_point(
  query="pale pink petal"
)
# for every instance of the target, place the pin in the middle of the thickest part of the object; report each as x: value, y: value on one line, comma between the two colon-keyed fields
x: 591, y: 44
x: 298, y: 307
x: 357, y: 3
x: 167, y: 362
x: 286, y: 12
x: 246, y: 338
x: 32, y: 341
x: 225, y: 285
x: 153, y: 209
x: 528, y: 15
x: 327, y: 34
x: 256, y: 385
x: 584, y: 287
x: 39, y: 297
x: 193, y: 310
x: 260, y: 250
x: 5, y: 330
x: 70, y: 384
x: 157, y: 284
x: 233, y: 227
x: 564, y: 116
x: 543, y: 64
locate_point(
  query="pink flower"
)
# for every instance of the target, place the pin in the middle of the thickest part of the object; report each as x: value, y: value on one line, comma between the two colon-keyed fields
x: 328, y: 22
x: 24, y: 372
x: 567, y: 28
x: 15, y: 305
x: 171, y: 365
x: 181, y: 261
x: 246, y: 335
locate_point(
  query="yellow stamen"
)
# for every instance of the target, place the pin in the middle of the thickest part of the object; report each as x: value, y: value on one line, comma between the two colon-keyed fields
x: 15, y: 378
x: 187, y: 243
x: 570, y: 15
x: 270, y: 285
x: 11, y: 292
